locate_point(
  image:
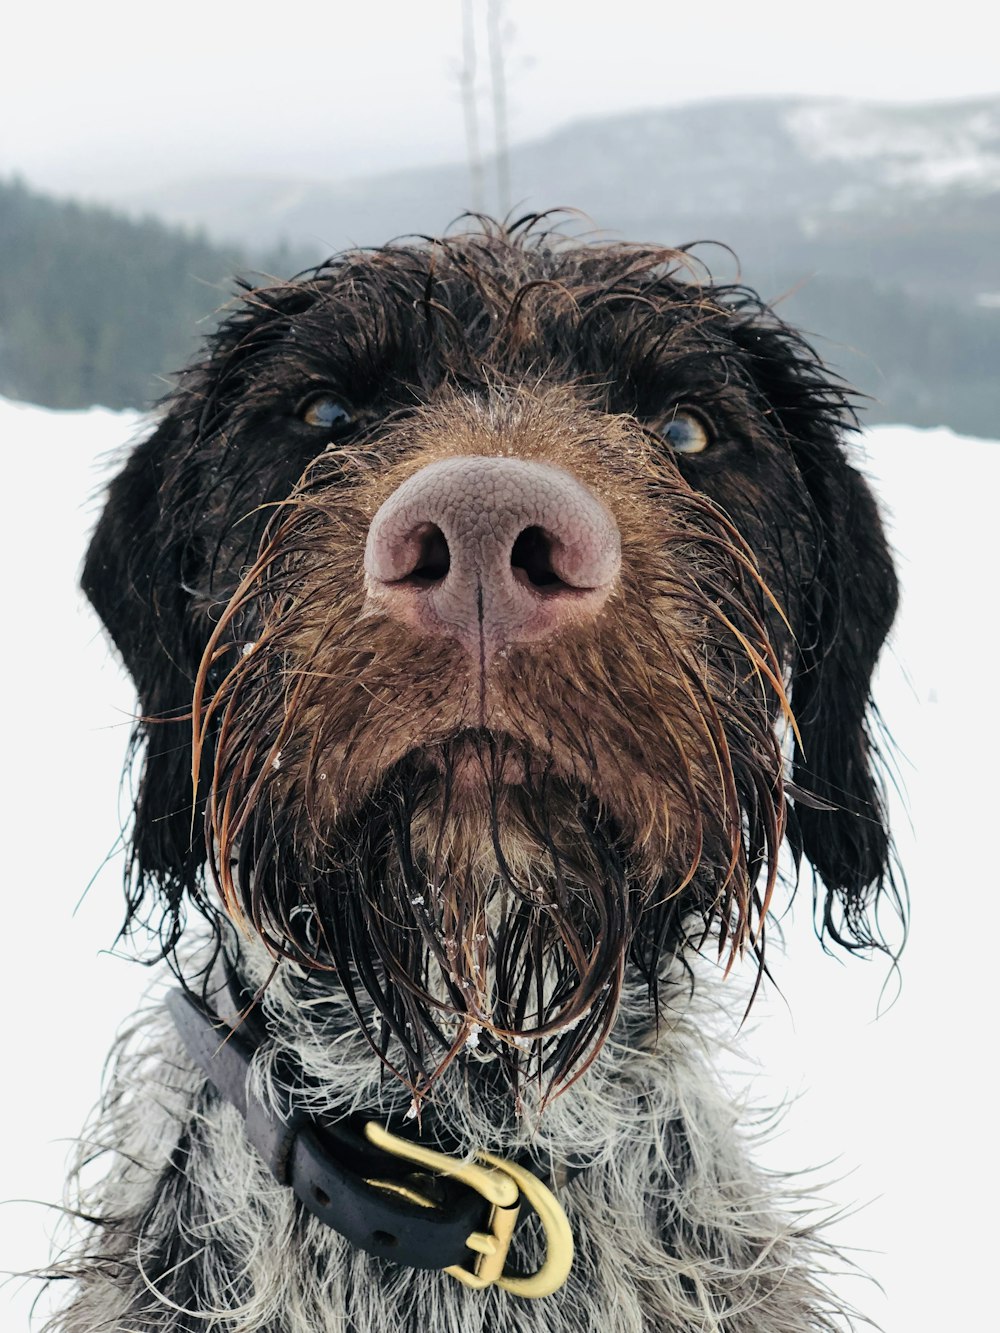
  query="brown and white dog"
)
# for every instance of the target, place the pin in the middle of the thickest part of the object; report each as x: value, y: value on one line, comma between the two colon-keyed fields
x: 497, y: 606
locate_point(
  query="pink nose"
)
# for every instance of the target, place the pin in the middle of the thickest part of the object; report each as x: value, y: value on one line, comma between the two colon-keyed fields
x: 492, y: 551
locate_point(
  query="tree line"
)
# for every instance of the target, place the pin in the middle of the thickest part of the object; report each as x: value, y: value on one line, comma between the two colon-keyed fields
x: 98, y: 309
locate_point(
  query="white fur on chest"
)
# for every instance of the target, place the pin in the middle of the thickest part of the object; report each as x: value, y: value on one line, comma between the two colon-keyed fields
x: 674, y: 1228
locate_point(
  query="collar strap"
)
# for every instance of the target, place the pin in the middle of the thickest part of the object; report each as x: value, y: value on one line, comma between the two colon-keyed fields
x: 386, y: 1194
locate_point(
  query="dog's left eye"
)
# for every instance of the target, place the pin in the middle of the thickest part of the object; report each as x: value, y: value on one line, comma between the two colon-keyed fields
x: 326, y: 413
x: 686, y: 432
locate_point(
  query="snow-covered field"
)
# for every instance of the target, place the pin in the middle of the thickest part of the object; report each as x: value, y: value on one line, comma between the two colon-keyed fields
x: 897, y: 1113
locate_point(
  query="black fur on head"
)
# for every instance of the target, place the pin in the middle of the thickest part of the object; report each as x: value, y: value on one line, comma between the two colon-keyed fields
x: 769, y: 544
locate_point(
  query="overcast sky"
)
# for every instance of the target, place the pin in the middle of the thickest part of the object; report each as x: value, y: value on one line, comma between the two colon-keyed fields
x: 102, y: 96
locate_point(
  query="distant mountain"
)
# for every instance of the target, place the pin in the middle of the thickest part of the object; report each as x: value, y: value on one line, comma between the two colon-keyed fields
x: 793, y: 185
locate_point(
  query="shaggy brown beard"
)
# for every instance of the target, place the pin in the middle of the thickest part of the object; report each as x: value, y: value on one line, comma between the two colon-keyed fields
x: 488, y: 862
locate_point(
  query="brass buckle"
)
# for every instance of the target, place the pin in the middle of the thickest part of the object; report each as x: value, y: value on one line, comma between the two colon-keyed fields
x: 502, y: 1184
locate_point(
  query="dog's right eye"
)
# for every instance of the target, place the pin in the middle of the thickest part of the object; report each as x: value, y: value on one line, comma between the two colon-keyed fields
x: 326, y: 412
x: 686, y: 431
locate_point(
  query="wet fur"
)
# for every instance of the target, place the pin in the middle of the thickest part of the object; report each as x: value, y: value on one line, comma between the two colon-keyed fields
x: 482, y: 896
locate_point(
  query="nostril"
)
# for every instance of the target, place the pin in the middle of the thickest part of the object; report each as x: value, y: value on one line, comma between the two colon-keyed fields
x: 433, y: 559
x: 532, y: 553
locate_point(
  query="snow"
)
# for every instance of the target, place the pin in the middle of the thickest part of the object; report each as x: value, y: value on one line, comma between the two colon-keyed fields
x: 896, y: 1109
x: 927, y: 147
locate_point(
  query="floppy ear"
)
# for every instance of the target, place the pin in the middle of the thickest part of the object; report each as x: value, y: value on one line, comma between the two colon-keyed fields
x: 134, y: 575
x: 149, y: 573
x: 846, y: 611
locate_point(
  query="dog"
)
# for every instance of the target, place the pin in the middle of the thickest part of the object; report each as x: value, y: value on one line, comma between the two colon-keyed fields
x: 498, y: 605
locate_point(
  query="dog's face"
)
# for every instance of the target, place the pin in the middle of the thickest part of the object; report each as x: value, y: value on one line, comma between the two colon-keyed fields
x: 466, y: 588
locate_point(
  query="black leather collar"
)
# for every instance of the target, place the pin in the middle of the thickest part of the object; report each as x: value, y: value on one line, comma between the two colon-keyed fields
x: 328, y: 1164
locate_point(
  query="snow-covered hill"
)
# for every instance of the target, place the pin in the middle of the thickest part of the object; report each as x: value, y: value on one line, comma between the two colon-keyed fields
x: 898, y: 1112
x: 723, y: 168
x: 927, y: 148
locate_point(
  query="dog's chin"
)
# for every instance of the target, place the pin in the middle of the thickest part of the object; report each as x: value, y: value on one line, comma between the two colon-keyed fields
x: 481, y: 772
x: 474, y: 764
x: 483, y: 802
x: 472, y: 884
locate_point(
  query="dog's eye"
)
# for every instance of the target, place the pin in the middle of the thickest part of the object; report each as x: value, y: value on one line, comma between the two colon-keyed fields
x: 686, y: 432
x: 326, y: 413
